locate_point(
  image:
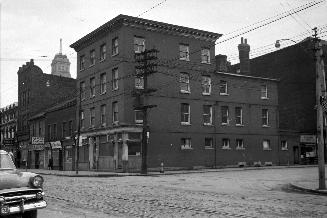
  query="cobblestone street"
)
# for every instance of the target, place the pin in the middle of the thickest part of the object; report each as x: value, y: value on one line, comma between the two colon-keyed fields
x: 250, y: 193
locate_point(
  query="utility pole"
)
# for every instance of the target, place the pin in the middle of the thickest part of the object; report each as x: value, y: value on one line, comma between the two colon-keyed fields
x: 78, y: 129
x: 320, y: 96
x: 144, y: 67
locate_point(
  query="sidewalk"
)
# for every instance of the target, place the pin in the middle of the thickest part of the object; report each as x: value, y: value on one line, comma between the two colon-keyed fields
x: 152, y: 173
x: 307, y: 187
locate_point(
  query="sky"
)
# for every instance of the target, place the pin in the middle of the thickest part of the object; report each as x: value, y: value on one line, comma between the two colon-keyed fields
x: 31, y: 29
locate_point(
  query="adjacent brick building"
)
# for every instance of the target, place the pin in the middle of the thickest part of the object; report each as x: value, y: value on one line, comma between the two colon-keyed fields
x: 204, y: 115
x: 295, y: 67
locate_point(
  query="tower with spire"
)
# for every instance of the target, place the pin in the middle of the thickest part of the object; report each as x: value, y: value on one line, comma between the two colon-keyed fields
x: 60, y: 65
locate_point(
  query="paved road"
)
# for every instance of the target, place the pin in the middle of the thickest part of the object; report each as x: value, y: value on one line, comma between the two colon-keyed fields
x: 254, y: 193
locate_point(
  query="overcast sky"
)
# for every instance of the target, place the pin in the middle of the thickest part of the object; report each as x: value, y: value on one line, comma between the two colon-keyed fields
x: 32, y: 28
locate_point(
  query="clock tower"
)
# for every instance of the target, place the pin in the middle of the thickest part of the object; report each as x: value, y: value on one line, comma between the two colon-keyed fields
x: 60, y: 65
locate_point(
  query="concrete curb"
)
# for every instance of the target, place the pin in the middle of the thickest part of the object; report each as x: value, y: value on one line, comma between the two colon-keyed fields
x: 307, y: 190
x: 152, y: 173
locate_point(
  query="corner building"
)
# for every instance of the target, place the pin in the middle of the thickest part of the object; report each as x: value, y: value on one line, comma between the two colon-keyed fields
x: 194, y: 121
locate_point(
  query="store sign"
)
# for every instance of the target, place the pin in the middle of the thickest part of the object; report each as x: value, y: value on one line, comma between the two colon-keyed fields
x: 308, y: 139
x: 37, y: 147
x: 8, y: 142
x: 56, y: 145
x: 37, y: 140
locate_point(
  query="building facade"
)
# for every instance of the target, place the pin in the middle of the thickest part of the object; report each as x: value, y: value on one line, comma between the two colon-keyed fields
x: 295, y: 67
x: 8, y: 128
x: 36, y: 92
x: 203, y: 117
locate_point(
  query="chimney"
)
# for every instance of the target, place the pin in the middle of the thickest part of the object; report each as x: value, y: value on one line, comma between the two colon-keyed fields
x: 244, y: 55
x: 221, y: 63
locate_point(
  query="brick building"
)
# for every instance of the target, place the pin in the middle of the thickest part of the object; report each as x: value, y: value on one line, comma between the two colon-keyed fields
x: 203, y: 117
x: 37, y: 91
x: 8, y: 128
x: 295, y: 67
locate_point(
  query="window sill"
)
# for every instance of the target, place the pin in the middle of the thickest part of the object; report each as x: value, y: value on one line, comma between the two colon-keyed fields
x: 186, y: 148
x: 239, y: 125
x: 185, y: 124
x: 184, y: 59
x: 115, y: 89
x: 225, y: 124
x: 185, y: 92
x: 138, y: 122
x: 265, y: 126
x: 240, y: 148
x: 223, y: 94
x: 226, y: 148
x: 264, y: 98
x: 102, y: 60
x: 206, y: 94
x: 207, y: 124
x: 284, y: 149
x: 113, y: 55
x: 208, y: 148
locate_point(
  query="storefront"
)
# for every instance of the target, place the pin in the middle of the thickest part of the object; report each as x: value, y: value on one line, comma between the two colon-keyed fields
x: 56, y: 154
x: 308, y: 149
x: 68, y: 154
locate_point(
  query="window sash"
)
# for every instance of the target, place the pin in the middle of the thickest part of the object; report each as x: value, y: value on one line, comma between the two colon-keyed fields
x: 115, y: 79
x: 238, y: 116
x: 92, y: 117
x: 92, y: 57
x: 225, y: 143
x: 208, y: 142
x: 185, y: 113
x: 103, y: 115
x: 206, y: 85
x: 264, y: 92
x: 115, y: 46
x: 284, y: 145
x: 103, y: 85
x: 184, y: 81
x: 138, y: 116
x: 265, y: 117
x: 115, y: 112
x: 186, y: 142
x: 239, y: 143
x: 224, y: 115
x: 82, y: 119
x: 103, y: 51
x: 205, y: 56
x: 139, y: 83
x: 266, y: 144
x: 223, y: 87
x: 184, y: 52
x: 139, y: 44
x: 82, y: 62
x: 82, y: 85
x: 92, y: 87
x: 207, y: 114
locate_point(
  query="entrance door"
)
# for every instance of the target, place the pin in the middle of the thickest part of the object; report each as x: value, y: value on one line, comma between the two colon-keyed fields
x: 37, y: 159
x: 296, y: 154
x: 120, y: 154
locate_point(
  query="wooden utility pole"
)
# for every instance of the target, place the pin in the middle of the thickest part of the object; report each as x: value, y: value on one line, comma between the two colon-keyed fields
x: 144, y: 67
x: 320, y: 95
x: 78, y: 129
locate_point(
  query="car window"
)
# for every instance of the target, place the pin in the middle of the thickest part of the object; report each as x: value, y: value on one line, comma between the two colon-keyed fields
x: 6, y: 162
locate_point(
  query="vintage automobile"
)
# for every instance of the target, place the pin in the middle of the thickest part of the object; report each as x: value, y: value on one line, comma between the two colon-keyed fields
x: 21, y: 193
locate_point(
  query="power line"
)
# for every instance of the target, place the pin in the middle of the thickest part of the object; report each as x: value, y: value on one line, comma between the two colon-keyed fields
x: 152, y: 8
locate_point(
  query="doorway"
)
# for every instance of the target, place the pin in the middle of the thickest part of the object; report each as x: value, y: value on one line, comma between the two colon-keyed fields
x: 296, y: 153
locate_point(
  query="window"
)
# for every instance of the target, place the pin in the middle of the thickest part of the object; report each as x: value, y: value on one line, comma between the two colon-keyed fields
x: 139, y: 81
x: 115, y: 112
x: 208, y: 142
x: 207, y: 114
x: 206, y: 85
x: 184, y: 53
x: 114, y: 46
x: 239, y: 144
x: 139, y: 44
x: 283, y: 144
x: 82, y: 119
x: 185, y: 114
x: 184, y: 82
x: 70, y: 127
x: 225, y: 143
x: 92, y: 117
x: 103, y: 83
x: 40, y: 129
x: 92, y: 57
x: 238, y: 116
x: 186, y: 143
x: 223, y: 89
x: 103, y: 115
x: 205, y: 56
x: 64, y: 133
x: 265, y: 118
x: 82, y: 62
x: 224, y: 115
x: 92, y: 87
x: 82, y: 87
x: 138, y: 116
x: 54, y: 129
x: 103, y: 51
x: 264, y: 92
x: 115, y: 79
x: 266, y: 144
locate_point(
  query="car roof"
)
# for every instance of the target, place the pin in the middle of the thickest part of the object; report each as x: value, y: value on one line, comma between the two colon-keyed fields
x: 3, y: 152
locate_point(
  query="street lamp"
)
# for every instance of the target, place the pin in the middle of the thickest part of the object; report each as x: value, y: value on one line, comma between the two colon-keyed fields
x: 277, y: 43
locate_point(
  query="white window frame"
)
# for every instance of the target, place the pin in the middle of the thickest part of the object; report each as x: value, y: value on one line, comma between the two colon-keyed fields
x: 184, y: 52
x: 206, y: 85
x: 92, y: 87
x: 264, y: 92
x: 103, y: 52
x: 239, y: 116
x: 186, y: 143
x: 223, y: 85
x: 207, y: 115
x: 184, y: 81
x: 225, y: 143
x: 114, y: 75
x: 265, y: 117
x: 211, y: 142
x: 139, y: 44
x: 138, y: 121
x: 224, y: 115
x: 184, y: 114
x: 205, y: 56
x: 266, y: 145
x: 115, y: 112
x: 92, y: 57
x: 240, y: 146
x: 283, y: 145
x: 115, y: 48
x: 103, y: 83
x: 103, y: 115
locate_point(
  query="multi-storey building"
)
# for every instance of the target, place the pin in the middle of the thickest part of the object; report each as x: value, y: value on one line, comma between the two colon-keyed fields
x: 203, y: 117
x: 296, y: 69
x: 8, y: 128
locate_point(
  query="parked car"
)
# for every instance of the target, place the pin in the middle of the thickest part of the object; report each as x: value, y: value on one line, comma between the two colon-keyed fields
x: 21, y: 193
